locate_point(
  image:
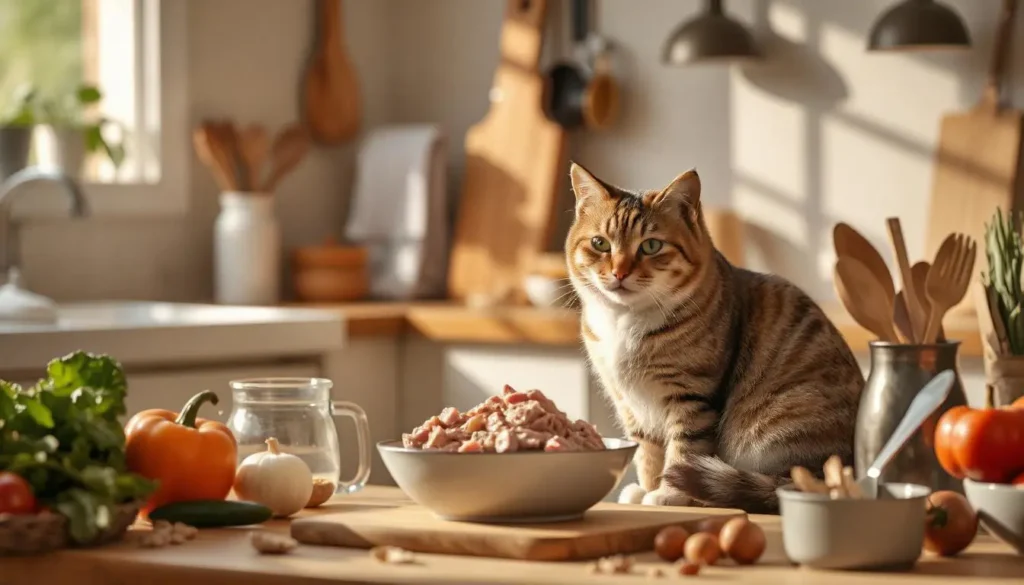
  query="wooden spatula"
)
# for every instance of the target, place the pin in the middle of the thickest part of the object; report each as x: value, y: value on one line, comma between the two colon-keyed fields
x: 978, y: 156
x: 332, y: 103
x: 849, y: 242
x: 289, y: 148
x: 948, y: 279
x: 899, y: 248
x: 864, y: 297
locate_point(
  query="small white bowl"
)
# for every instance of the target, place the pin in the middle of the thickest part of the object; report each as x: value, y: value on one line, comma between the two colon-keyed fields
x: 1000, y: 509
x: 545, y: 291
x: 523, y: 486
x: 885, y: 533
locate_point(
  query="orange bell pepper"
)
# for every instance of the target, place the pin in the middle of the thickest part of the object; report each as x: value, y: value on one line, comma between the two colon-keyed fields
x: 191, y: 458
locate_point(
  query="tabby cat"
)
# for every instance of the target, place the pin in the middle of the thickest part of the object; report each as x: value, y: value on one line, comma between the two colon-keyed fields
x: 725, y: 377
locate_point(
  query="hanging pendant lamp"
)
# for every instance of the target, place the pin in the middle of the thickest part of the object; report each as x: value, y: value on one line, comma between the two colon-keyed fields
x: 712, y: 36
x: 918, y: 25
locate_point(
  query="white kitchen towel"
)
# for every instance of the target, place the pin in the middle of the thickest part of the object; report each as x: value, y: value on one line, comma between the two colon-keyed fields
x: 399, y: 210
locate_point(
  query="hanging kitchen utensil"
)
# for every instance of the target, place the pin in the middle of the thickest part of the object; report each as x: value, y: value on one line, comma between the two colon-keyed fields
x: 582, y: 92
x: 515, y: 163
x: 977, y: 159
x: 331, y: 101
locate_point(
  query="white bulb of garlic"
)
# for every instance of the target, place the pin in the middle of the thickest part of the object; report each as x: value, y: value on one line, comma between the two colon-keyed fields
x: 279, y: 481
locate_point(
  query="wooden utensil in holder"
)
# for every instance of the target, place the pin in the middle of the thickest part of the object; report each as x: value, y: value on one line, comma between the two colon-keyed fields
x: 331, y: 273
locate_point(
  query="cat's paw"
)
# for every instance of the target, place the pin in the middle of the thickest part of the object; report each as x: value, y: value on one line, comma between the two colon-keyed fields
x: 666, y: 496
x: 632, y: 494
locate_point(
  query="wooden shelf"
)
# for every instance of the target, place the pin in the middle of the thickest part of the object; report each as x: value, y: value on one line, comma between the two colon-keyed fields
x: 443, y: 321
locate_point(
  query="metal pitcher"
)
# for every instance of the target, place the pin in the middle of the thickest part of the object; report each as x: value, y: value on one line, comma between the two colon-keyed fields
x: 898, y: 372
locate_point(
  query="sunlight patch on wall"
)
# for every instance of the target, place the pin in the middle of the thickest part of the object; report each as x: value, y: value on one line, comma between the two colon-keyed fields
x: 767, y: 140
x: 904, y: 93
x: 866, y: 178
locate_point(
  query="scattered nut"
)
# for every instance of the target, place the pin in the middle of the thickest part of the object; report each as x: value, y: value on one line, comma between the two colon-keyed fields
x: 273, y: 544
x: 688, y: 568
x: 655, y: 573
x: 393, y: 555
x: 322, y: 491
x: 702, y: 548
x: 613, y: 564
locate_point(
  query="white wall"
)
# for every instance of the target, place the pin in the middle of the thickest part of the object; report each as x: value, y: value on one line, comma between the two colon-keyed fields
x: 822, y: 131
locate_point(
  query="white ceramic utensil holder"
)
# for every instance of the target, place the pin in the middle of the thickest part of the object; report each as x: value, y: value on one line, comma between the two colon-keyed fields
x: 247, y: 250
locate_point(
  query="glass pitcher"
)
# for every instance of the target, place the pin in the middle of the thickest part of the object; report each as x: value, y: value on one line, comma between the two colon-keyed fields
x: 299, y: 413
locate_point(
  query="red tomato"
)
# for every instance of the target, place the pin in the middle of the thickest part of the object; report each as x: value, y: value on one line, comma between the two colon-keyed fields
x: 944, y: 441
x: 15, y: 495
x: 951, y: 523
x: 989, y: 443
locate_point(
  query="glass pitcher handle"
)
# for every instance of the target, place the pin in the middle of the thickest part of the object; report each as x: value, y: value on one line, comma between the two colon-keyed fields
x: 358, y: 416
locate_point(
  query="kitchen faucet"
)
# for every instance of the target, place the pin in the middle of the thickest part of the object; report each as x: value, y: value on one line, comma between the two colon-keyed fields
x: 10, y: 258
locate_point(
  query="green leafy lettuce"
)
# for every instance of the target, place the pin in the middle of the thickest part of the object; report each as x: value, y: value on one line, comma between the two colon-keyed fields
x: 64, y: 437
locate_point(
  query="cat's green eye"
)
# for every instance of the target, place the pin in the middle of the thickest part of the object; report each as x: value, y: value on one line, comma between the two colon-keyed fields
x: 650, y: 246
x: 600, y: 244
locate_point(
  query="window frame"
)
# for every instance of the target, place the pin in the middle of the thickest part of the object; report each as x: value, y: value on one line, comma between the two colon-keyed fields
x: 170, y: 196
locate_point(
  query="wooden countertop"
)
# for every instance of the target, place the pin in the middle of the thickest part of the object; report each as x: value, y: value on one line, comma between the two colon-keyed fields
x: 225, y: 557
x: 446, y: 322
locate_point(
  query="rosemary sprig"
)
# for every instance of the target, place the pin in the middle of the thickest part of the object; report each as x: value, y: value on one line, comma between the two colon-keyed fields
x: 1005, y: 251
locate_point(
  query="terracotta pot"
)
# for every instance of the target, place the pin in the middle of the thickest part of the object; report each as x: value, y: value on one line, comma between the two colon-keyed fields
x: 331, y: 272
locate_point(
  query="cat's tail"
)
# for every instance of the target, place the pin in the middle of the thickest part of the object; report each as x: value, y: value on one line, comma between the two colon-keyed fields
x: 716, y: 484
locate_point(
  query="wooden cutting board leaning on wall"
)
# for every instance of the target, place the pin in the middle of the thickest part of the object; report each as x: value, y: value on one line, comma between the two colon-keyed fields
x: 513, y: 160
x: 977, y: 160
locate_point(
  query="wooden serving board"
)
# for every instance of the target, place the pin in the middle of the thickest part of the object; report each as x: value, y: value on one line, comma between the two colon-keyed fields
x: 977, y: 161
x: 514, y: 160
x: 606, y: 529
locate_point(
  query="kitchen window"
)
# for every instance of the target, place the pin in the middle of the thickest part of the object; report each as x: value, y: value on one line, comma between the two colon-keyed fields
x: 134, y: 52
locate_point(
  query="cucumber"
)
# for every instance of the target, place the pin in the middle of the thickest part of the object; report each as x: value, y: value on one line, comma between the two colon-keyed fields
x: 212, y: 513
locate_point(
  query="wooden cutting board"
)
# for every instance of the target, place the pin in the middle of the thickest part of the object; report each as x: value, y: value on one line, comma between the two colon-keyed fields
x: 514, y: 160
x: 977, y: 161
x: 332, y: 102
x: 606, y: 529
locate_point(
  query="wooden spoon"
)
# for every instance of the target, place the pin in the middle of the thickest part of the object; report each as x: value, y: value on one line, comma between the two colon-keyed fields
x: 254, y: 144
x: 919, y: 272
x: 948, y: 279
x: 849, y: 242
x: 864, y: 297
x: 332, y: 105
x: 289, y: 148
x: 211, y: 152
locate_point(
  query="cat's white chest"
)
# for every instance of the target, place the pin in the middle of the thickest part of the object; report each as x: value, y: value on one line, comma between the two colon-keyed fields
x: 614, y: 355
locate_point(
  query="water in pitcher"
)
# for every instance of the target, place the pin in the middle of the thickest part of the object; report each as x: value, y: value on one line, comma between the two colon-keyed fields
x: 321, y: 462
x: 299, y: 419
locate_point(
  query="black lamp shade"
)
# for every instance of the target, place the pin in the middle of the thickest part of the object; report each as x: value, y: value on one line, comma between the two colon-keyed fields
x: 710, y: 36
x: 918, y: 25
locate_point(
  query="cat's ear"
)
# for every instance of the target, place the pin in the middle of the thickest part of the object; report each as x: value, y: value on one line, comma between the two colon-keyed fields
x: 585, y: 185
x: 684, y: 191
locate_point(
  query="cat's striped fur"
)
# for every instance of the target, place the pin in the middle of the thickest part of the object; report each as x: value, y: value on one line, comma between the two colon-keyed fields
x: 726, y: 377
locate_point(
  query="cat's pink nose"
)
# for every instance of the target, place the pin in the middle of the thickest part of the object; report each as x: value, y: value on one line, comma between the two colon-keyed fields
x: 621, y: 275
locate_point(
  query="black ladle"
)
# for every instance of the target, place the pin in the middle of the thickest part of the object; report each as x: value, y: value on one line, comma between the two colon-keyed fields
x: 576, y: 96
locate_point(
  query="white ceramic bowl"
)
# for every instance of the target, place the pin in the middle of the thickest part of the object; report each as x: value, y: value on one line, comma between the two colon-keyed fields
x: 885, y: 533
x: 524, y: 486
x: 544, y: 291
x: 1000, y: 509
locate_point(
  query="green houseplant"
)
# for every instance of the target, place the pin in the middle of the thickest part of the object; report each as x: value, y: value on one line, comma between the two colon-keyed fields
x: 75, y: 129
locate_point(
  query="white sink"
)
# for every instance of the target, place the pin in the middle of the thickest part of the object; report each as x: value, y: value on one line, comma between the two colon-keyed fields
x: 154, y: 332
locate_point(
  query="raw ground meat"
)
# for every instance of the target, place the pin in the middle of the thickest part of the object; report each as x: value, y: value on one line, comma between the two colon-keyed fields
x: 514, y: 421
